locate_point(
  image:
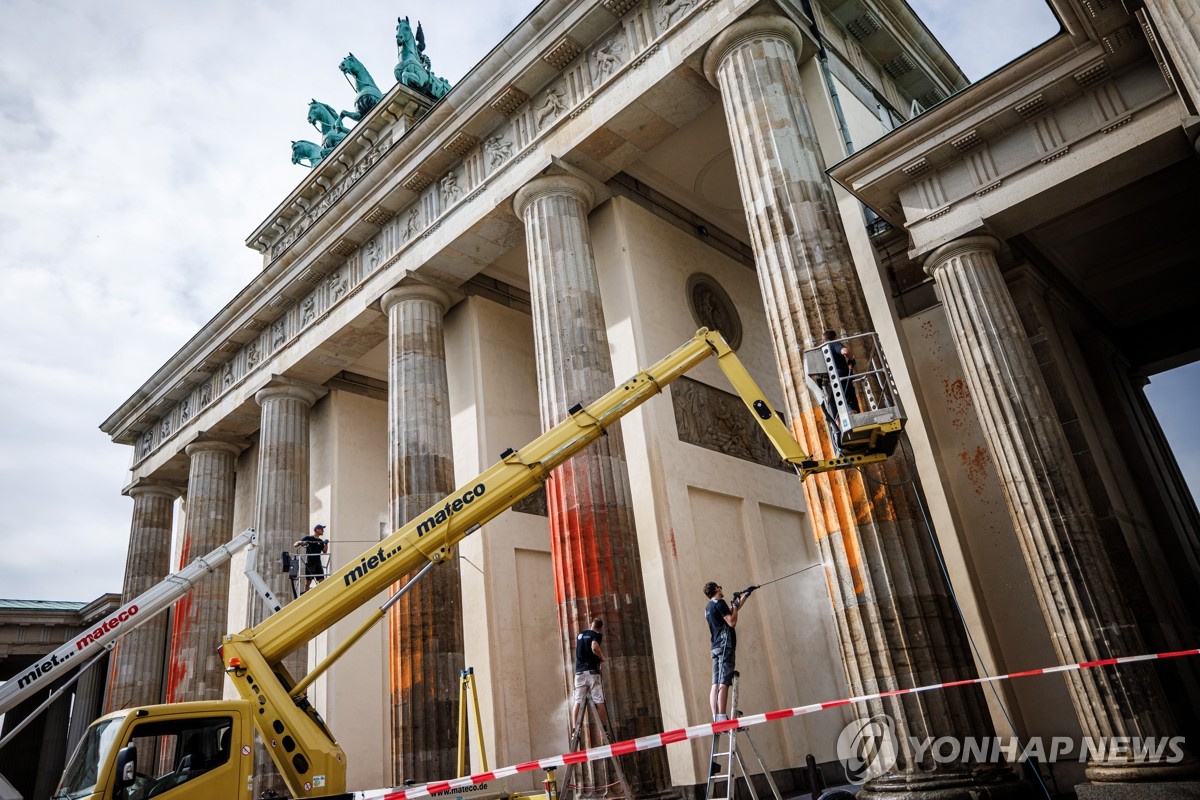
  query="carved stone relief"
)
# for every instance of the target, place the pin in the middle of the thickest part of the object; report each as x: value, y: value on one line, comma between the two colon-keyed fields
x: 499, y: 150
x: 553, y: 104
x: 338, y: 286
x: 668, y: 10
x: 372, y: 255
x: 451, y: 191
x: 715, y: 420
x: 535, y: 503
x: 607, y: 57
x: 412, y: 224
x: 711, y: 308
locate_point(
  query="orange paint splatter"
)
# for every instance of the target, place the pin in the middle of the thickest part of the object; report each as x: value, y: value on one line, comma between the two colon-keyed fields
x: 836, y: 503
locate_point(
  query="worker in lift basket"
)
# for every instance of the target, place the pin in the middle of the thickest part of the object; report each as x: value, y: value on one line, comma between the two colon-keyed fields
x: 315, y: 546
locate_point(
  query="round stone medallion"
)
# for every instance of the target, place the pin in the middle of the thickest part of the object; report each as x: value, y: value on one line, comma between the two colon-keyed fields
x: 712, y: 308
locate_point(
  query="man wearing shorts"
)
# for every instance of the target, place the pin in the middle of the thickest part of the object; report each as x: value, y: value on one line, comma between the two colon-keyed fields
x: 588, y: 658
x: 722, y: 619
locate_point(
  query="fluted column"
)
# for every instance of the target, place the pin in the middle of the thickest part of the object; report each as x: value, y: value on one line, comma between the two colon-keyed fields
x: 895, y: 620
x: 425, y: 626
x: 137, y: 661
x: 281, y: 513
x: 1071, y: 571
x: 53, y: 753
x: 195, y: 671
x: 593, y: 544
x: 88, y: 702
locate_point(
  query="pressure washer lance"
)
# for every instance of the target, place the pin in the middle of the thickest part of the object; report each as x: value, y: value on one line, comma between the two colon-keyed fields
x: 737, y: 596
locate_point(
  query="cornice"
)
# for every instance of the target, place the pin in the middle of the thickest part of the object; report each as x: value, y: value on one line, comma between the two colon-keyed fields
x: 1023, y: 96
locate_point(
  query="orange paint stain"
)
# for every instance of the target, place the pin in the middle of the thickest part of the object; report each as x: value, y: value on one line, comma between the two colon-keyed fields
x: 836, y: 502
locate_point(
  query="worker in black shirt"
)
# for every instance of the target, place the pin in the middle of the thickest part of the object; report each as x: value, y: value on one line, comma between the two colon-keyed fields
x: 314, y: 546
x: 722, y: 619
x: 588, y: 658
x: 843, y: 366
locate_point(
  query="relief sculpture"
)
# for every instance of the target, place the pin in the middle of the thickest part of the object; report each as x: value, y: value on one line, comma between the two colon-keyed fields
x: 715, y: 420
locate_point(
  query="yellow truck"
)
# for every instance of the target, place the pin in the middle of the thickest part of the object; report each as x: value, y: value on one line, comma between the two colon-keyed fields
x: 205, y: 750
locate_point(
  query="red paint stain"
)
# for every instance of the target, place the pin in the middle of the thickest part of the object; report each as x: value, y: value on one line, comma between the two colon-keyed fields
x: 671, y: 542
x: 179, y: 668
x: 958, y: 401
x: 975, y: 464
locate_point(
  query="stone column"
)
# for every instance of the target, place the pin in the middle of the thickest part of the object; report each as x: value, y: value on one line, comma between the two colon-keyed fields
x: 593, y: 544
x: 52, y: 755
x: 88, y: 703
x: 195, y: 671
x: 281, y: 514
x: 425, y: 626
x: 1072, y: 575
x: 896, y: 622
x: 137, y: 661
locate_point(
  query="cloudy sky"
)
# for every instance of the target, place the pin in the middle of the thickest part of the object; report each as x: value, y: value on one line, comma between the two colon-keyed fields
x: 143, y: 141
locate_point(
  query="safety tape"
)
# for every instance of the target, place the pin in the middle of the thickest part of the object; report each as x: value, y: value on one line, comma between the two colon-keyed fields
x: 711, y: 728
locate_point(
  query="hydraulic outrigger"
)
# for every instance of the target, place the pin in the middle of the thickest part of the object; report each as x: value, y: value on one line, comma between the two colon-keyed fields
x: 218, y: 733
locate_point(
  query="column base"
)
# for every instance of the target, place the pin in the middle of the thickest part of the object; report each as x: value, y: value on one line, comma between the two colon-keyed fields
x: 1157, y: 790
x: 984, y: 783
x: 1141, y: 774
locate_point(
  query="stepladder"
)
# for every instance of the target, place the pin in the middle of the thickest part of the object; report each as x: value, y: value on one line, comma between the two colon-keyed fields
x: 722, y: 780
x: 595, y: 779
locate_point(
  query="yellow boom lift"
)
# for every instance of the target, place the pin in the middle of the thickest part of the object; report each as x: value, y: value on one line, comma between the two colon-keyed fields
x: 203, y: 750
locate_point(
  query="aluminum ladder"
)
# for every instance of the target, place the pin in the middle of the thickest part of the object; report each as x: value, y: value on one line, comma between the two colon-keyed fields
x: 724, y: 755
x: 590, y: 714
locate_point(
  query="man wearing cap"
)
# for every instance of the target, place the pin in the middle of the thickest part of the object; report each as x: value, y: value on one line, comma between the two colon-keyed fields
x: 314, y: 546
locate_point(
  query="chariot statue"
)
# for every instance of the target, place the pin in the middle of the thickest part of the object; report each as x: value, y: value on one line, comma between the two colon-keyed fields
x: 368, y: 93
x: 414, y: 69
x: 328, y: 123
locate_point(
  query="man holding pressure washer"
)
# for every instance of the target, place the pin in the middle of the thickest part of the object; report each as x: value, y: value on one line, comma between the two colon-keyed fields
x: 722, y: 619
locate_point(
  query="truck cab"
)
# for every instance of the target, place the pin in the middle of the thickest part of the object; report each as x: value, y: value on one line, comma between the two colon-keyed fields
x: 202, y: 749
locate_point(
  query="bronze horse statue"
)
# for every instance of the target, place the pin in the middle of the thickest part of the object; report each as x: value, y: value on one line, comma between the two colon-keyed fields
x: 414, y: 68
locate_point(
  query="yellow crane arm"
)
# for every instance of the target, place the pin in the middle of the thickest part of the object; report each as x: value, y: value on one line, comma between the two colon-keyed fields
x: 309, y: 758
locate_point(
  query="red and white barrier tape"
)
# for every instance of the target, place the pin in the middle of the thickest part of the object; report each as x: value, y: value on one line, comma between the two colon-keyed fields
x: 710, y: 728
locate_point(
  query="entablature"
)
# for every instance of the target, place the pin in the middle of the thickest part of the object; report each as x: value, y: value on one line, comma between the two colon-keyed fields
x: 1061, y: 96
x: 430, y: 198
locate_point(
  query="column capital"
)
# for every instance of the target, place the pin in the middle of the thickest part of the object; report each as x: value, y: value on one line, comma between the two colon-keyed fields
x: 410, y: 288
x: 750, y: 28
x: 552, y: 185
x: 966, y: 244
x: 212, y: 445
x: 279, y: 387
x: 143, y: 487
